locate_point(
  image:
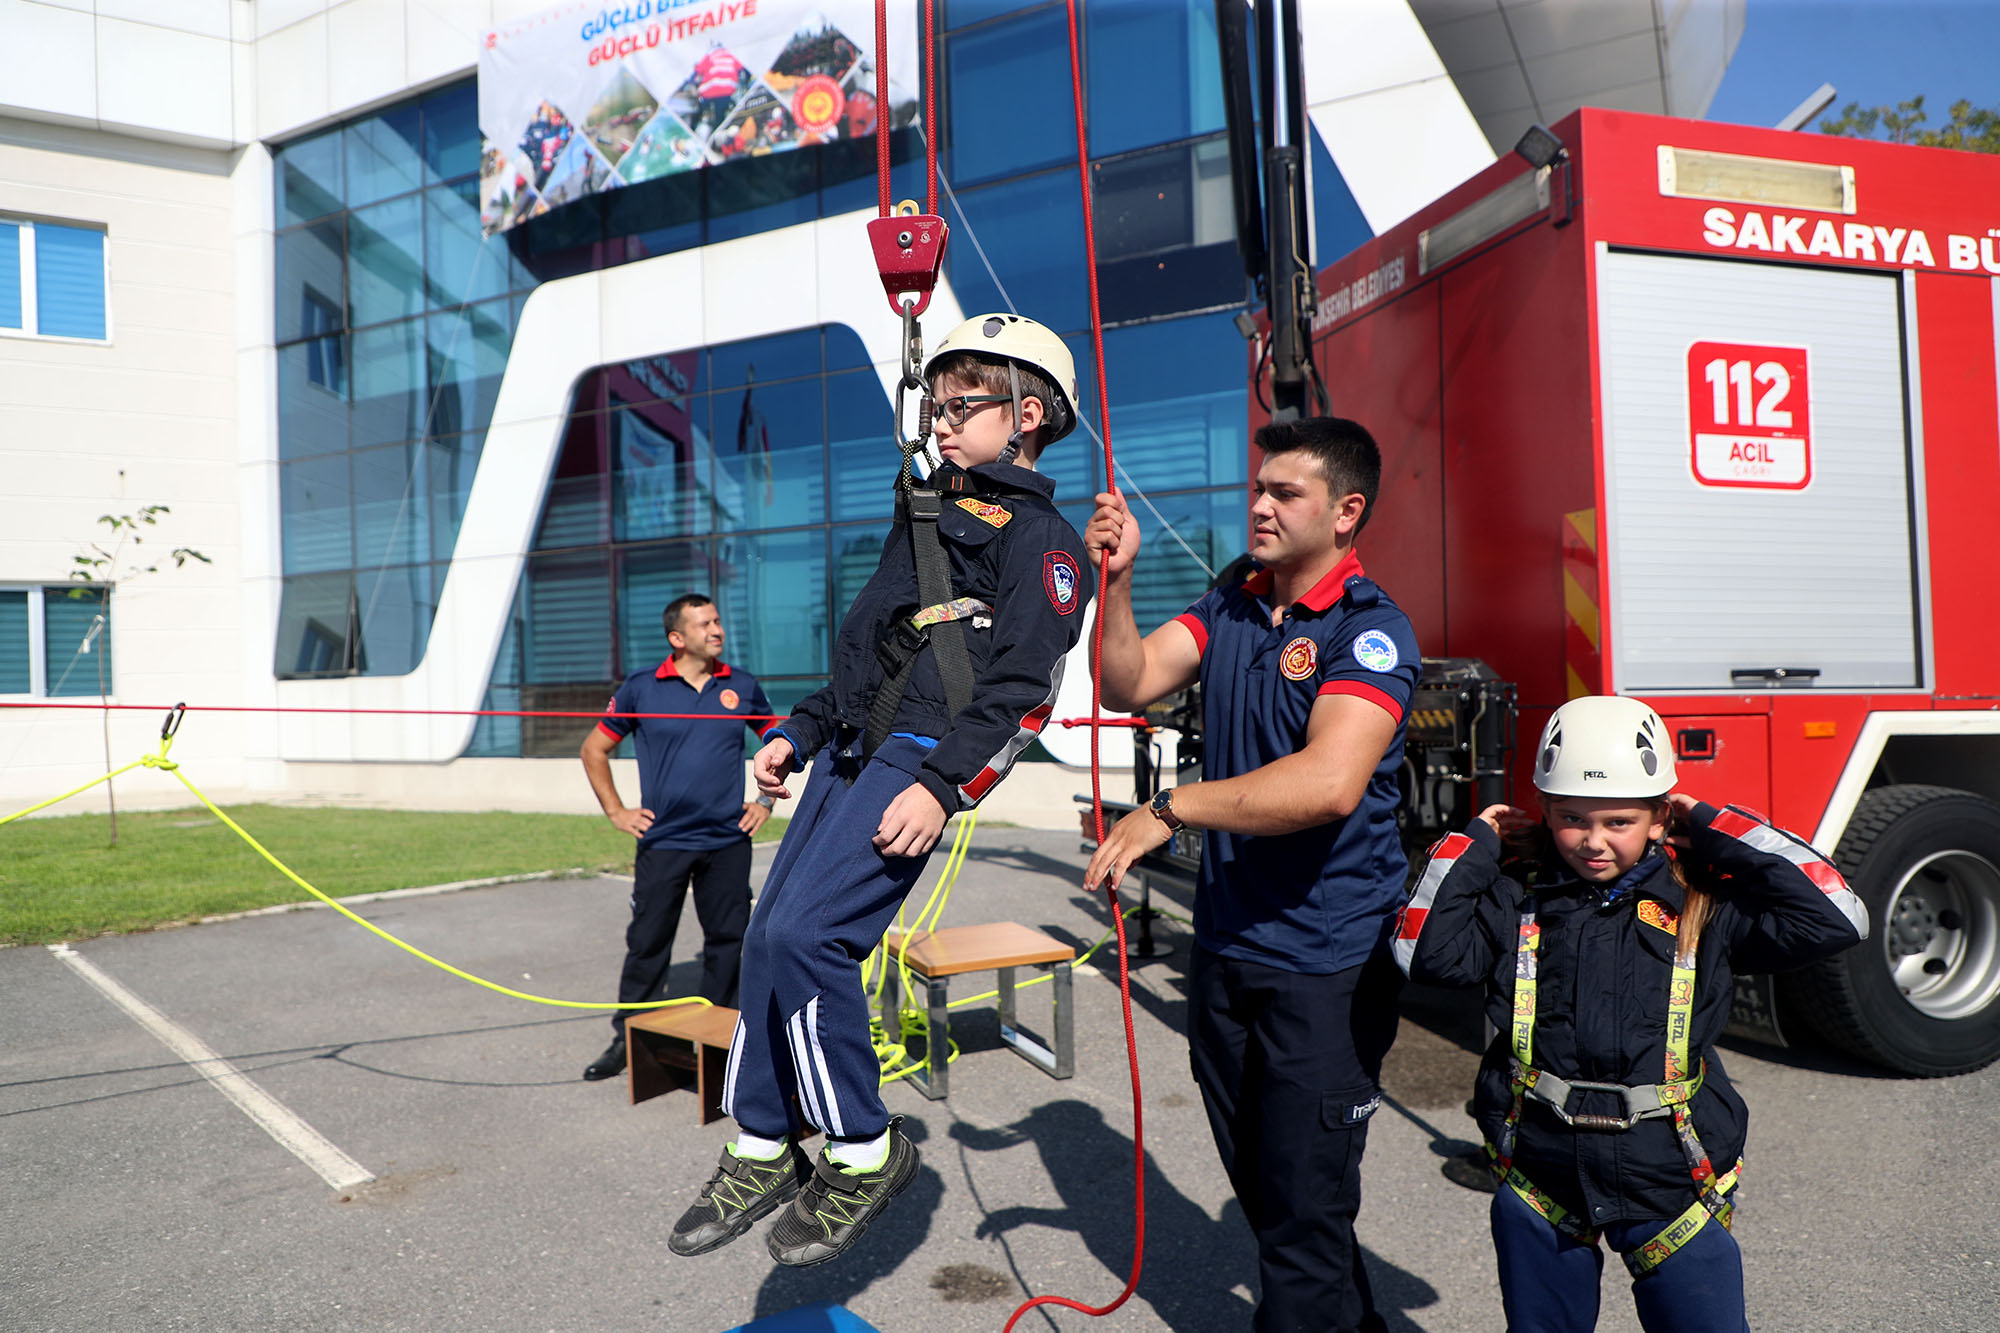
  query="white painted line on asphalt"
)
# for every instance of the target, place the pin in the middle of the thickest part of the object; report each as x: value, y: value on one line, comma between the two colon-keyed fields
x: 304, y: 1142
x: 421, y: 891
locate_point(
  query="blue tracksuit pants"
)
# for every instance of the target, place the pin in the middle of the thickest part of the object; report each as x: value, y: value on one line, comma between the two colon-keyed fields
x: 1549, y: 1281
x: 802, y: 1049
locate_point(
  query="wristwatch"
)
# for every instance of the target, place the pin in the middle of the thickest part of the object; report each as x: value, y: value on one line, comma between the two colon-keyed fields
x: 1162, y: 807
x: 766, y: 801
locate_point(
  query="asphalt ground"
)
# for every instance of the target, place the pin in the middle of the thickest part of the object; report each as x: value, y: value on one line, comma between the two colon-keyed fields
x: 512, y: 1195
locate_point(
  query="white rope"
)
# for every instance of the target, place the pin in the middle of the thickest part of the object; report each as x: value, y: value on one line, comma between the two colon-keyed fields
x: 1088, y: 425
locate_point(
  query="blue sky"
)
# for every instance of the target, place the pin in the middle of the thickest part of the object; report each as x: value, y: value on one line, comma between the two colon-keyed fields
x: 1873, y: 51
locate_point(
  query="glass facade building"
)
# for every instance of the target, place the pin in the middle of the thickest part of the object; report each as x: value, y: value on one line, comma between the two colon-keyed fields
x: 758, y: 471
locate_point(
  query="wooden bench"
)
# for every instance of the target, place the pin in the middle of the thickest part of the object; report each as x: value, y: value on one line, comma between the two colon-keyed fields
x: 938, y: 955
x: 664, y: 1047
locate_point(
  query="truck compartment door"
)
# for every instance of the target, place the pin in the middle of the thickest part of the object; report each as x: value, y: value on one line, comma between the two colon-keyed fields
x: 1757, y: 477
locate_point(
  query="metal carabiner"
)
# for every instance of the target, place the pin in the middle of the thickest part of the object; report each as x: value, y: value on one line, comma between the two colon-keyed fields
x: 913, y: 347
x: 173, y: 721
x: 912, y: 378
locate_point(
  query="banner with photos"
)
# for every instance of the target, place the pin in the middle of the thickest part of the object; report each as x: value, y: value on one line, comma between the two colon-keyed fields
x: 585, y: 98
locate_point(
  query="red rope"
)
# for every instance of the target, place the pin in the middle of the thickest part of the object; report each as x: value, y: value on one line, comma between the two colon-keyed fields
x: 1097, y: 721
x: 882, y: 107
x: 930, y: 109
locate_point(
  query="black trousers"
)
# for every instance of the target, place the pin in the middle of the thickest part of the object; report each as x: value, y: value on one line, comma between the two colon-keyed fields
x: 1289, y: 1067
x: 660, y: 879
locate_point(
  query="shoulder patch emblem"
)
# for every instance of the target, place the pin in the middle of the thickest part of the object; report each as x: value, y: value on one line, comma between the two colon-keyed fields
x: 1659, y: 916
x: 996, y: 516
x: 1059, y: 580
x: 1300, y: 658
x: 611, y: 704
x: 730, y: 698
x: 1376, y: 651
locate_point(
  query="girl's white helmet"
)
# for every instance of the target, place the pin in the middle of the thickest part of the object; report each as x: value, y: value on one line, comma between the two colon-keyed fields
x: 1605, y: 745
x: 1015, y: 338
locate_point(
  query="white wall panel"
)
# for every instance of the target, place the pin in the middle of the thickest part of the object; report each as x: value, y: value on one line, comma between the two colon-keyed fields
x: 273, y: 15
x: 441, y: 37
x: 292, y: 78
x: 366, y: 41
x: 205, y: 18
x: 175, y: 82
x: 48, y: 60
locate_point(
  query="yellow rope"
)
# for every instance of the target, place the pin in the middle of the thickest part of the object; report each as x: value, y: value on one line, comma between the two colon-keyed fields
x: 160, y: 761
x: 910, y: 1021
x: 57, y: 800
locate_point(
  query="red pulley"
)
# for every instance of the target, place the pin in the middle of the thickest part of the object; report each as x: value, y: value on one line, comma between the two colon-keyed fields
x: 909, y: 248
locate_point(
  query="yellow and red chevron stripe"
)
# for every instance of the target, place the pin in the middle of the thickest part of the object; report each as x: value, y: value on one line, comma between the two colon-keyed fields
x: 1582, y: 632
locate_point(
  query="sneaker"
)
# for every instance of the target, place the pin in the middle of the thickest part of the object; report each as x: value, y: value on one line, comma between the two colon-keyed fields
x: 742, y: 1190
x: 836, y: 1205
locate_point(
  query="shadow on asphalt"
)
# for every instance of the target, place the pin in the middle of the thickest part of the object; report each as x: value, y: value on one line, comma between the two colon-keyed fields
x: 1194, y: 1263
x: 253, y: 1062
x: 1029, y: 861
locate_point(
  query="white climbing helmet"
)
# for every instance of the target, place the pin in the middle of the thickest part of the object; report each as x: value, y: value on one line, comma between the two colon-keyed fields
x: 1605, y: 745
x: 1013, y: 338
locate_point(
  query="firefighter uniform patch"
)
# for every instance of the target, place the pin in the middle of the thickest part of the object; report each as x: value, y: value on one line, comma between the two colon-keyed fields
x: 1300, y: 658
x: 1376, y: 651
x: 992, y: 515
x: 730, y: 698
x: 1658, y: 915
x: 1059, y: 580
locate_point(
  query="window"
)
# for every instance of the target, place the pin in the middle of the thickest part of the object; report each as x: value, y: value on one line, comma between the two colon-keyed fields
x: 53, y: 281
x: 55, y: 641
x: 393, y: 320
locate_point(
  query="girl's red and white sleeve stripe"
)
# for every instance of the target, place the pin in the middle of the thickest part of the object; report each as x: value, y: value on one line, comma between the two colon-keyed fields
x: 1410, y: 922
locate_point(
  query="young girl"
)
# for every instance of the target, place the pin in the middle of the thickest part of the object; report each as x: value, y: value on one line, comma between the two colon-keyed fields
x: 1607, y: 957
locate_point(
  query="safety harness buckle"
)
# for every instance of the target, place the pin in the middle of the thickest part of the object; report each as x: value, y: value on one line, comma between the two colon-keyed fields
x: 1646, y: 1102
x: 909, y: 250
x: 904, y: 642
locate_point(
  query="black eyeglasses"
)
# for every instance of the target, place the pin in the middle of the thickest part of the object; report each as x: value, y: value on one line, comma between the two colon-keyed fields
x: 956, y: 410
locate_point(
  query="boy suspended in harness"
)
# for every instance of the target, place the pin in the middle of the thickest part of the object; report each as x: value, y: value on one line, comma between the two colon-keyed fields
x: 1606, y: 938
x: 945, y: 669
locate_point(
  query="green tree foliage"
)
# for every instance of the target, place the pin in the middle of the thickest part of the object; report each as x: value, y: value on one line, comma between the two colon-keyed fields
x: 1971, y: 129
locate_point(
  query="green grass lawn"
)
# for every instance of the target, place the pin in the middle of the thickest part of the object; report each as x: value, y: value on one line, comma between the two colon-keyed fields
x: 60, y: 879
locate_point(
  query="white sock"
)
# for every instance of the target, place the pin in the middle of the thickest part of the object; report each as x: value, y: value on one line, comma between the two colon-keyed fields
x: 756, y: 1147
x: 866, y: 1155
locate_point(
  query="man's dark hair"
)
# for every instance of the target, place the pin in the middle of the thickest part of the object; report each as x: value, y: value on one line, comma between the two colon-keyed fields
x: 671, y: 617
x: 1346, y: 452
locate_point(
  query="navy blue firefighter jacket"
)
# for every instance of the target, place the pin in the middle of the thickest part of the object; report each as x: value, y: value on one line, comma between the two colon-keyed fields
x: 1009, y: 548
x: 1603, y: 967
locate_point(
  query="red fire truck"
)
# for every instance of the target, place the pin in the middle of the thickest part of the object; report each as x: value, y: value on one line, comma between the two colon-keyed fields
x: 1707, y: 415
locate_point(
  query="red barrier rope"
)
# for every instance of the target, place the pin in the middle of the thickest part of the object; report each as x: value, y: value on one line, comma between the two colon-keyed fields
x: 1097, y: 721
x: 402, y: 712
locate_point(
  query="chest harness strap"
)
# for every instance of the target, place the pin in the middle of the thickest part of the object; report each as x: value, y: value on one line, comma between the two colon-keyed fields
x: 1669, y: 1098
x: 940, y: 622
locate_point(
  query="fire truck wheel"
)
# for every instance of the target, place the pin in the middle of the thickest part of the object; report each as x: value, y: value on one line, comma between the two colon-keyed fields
x: 1922, y: 993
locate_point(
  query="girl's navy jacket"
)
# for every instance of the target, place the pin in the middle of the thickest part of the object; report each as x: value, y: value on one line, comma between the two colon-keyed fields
x: 1605, y: 959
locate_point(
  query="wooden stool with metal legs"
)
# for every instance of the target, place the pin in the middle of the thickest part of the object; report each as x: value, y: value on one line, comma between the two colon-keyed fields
x: 936, y: 956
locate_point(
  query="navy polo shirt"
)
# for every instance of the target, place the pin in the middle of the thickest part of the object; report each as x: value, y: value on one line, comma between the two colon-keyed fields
x: 1319, y: 900
x: 690, y: 768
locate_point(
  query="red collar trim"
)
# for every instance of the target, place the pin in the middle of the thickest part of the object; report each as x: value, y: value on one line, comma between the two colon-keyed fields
x: 1322, y: 595
x: 667, y: 668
